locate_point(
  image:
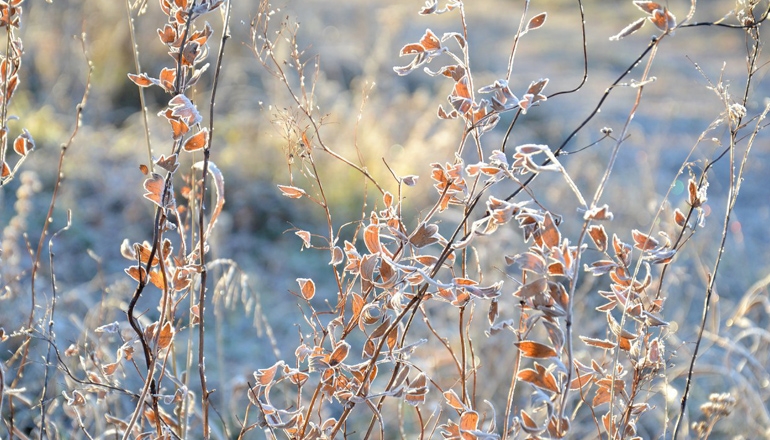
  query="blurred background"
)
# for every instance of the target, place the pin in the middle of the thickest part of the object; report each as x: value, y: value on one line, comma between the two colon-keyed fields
x: 386, y: 117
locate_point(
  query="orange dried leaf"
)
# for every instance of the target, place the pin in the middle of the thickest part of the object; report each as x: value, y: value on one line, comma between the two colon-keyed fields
x: 453, y: 400
x: 430, y: 41
x: 181, y: 107
x: 338, y: 256
x: 600, y: 343
x: 156, y: 278
x: 464, y: 282
x: 425, y: 235
x: 643, y: 242
x: 599, y: 237
x: 680, y: 218
x: 663, y: 19
x: 339, y: 354
x: 292, y: 191
x: 411, y: 49
x: 357, y: 302
x: 469, y: 421
x: 178, y: 128
x: 648, y: 6
x: 461, y: 88
x: 392, y: 339
x: 142, y: 80
x: 169, y: 164
x: 109, y: 369
x: 549, y: 233
x: 369, y: 349
x: 372, y: 238
x: 532, y: 349
x: 167, y: 79
x: 197, y: 142
x: 167, y: 35
x: 625, y: 343
x: 265, y: 376
x: 556, y: 269
x: 536, y: 21
x: 418, y: 389
x: 307, y: 287
x: 166, y: 336
x: 494, y: 311
x: 580, y: 381
x: 387, y: 198
x: 77, y: 398
x: 23, y: 143
x: 527, y: 421
x: 154, y: 186
x: 692, y: 189
x: 305, y: 236
x: 540, y: 378
x: 138, y: 273
x: 531, y: 289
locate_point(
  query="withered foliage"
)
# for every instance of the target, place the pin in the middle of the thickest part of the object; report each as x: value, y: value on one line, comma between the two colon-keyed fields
x: 404, y: 335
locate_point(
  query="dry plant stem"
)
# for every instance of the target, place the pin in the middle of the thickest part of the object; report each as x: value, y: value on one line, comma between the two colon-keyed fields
x: 308, y: 111
x: 474, y: 369
x: 732, y: 198
x: 160, y: 219
x: 142, y: 102
x: 585, y: 122
x: 443, y: 341
x: 761, y: 19
x: 414, y: 306
x: 569, y: 180
x: 413, y: 303
x: 578, y: 87
x: 47, y: 223
x: 463, y: 360
x: 2, y: 386
x: 623, y: 133
x: 421, y: 291
x: 516, y: 38
x: 148, y: 357
x: 4, y: 119
x: 467, y: 63
x: 585, y: 53
x: 202, y: 243
x: 50, y: 335
x: 683, y: 230
x: 3, y: 147
x: 149, y: 382
x: 597, y: 196
x: 71, y: 376
x: 514, y: 379
x: 185, y: 35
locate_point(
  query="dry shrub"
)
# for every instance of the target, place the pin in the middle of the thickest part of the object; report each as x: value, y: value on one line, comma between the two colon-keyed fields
x: 514, y: 285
